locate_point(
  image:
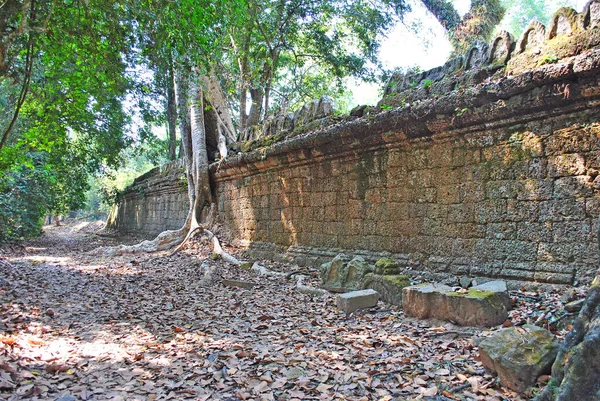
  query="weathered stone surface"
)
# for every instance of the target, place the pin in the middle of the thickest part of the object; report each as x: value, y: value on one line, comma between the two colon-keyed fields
x: 519, y: 355
x: 499, y: 288
x: 389, y: 287
x: 471, y: 307
x: 574, y: 306
x: 238, y: 283
x: 355, y: 300
x: 487, y: 175
x: 339, y: 276
x: 332, y: 274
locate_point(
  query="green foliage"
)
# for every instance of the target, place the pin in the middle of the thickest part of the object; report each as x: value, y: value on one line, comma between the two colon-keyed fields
x: 41, y: 183
x: 546, y: 59
x: 427, y: 83
x: 105, y: 186
x: 460, y: 111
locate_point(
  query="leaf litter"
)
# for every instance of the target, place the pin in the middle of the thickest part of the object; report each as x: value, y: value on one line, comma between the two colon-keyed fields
x: 148, y: 327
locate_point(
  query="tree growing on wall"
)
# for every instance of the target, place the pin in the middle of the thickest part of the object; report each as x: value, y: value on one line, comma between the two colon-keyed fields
x: 477, y: 24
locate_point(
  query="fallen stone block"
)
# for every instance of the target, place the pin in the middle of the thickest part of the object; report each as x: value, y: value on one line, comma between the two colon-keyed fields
x: 352, y: 301
x: 473, y: 307
x: 238, y: 284
x: 389, y: 287
x: 519, y: 355
x: 499, y: 288
x: 339, y: 276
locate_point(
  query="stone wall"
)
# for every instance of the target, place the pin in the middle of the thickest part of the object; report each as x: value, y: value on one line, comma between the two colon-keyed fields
x: 489, y: 170
x: 156, y: 201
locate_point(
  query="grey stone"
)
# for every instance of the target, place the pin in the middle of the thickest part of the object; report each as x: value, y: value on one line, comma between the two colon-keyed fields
x: 294, y: 373
x: 499, y: 288
x: 477, y: 56
x: 465, y: 282
x: 389, y: 287
x: 331, y: 273
x: 324, y: 107
x: 67, y: 397
x: 355, y: 300
x: 574, y: 306
x: 502, y: 47
x: 519, y: 355
x: 339, y: 276
x: 473, y: 307
x: 533, y: 36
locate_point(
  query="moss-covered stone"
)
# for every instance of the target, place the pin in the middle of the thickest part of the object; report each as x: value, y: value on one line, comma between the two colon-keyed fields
x: 519, y: 355
x: 388, y: 286
x: 385, y: 266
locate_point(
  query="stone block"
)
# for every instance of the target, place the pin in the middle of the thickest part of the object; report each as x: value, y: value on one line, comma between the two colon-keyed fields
x: 355, y: 300
x: 499, y: 288
x: 519, y: 355
x: 389, y: 287
x: 339, y: 276
x: 473, y: 307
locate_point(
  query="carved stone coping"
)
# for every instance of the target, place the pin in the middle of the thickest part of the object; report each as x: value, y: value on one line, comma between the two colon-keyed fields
x: 501, y: 103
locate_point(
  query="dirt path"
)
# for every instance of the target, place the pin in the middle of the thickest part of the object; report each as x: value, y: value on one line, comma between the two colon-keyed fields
x: 74, y: 326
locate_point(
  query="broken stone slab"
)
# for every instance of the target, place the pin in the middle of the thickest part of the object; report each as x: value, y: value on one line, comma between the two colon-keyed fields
x: 472, y: 307
x: 355, y: 300
x: 519, y: 355
x: 499, y: 288
x: 238, y: 284
x: 389, y: 287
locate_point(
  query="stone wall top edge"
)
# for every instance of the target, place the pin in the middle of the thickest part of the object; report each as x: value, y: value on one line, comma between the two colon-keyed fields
x: 565, y: 85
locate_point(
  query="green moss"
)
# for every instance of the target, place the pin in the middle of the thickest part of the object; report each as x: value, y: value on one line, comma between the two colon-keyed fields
x: 386, y: 263
x: 472, y: 293
x: 397, y: 280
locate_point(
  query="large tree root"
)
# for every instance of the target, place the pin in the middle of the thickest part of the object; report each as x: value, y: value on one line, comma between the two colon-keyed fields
x: 576, y: 370
x: 300, y: 286
x: 163, y: 241
x: 167, y: 240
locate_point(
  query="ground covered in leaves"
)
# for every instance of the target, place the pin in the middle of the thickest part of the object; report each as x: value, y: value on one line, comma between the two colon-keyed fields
x: 147, y: 327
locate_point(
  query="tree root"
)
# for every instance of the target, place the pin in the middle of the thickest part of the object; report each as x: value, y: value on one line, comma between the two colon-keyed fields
x: 163, y: 241
x: 300, y: 286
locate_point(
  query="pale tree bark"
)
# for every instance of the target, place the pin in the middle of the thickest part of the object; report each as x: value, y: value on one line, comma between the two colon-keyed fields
x: 477, y: 24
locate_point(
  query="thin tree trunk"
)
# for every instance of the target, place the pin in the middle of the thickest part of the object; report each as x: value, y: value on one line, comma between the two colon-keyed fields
x: 257, y: 95
x: 171, y: 114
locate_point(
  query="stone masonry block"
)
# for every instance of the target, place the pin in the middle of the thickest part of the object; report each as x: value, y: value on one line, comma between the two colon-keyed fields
x: 355, y: 300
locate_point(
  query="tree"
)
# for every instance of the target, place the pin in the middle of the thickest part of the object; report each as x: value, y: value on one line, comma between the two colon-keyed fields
x: 291, y: 42
x: 477, y: 24
x: 63, y: 81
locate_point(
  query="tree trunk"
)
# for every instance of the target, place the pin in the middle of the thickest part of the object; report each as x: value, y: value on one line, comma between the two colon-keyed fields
x: 171, y: 114
x: 477, y: 24
x: 190, y: 102
x: 257, y: 95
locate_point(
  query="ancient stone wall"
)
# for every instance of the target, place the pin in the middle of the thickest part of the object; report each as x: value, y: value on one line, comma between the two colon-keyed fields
x: 489, y: 168
x: 155, y: 202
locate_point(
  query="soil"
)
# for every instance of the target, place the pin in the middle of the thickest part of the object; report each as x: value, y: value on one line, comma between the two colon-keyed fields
x: 147, y: 327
